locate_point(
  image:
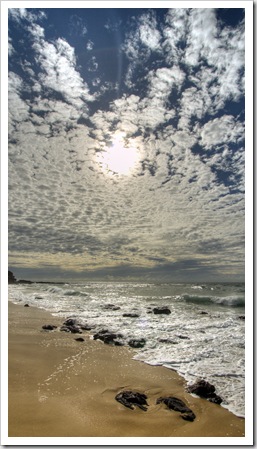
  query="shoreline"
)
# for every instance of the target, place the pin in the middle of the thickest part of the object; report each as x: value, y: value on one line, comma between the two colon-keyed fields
x: 59, y: 387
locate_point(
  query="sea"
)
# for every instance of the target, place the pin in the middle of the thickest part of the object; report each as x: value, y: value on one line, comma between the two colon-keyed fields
x: 202, y: 338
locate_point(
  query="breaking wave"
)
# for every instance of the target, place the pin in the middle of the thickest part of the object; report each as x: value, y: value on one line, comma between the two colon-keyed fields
x: 231, y: 301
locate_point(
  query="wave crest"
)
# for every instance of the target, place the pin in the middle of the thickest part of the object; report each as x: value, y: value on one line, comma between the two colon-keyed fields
x: 230, y: 301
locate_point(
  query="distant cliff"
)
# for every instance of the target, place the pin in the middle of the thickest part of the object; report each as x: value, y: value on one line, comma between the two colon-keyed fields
x: 11, y: 278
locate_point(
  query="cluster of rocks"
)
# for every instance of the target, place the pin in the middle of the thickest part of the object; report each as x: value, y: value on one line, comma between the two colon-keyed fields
x: 108, y: 337
x: 201, y: 388
x: 73, y: 326
x: 132, y: 399
x: 156, y: 310
x: 70, y: 325
x: 111, y: 338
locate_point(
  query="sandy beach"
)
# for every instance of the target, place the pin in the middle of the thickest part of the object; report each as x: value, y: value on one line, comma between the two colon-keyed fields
x: 60, y: 387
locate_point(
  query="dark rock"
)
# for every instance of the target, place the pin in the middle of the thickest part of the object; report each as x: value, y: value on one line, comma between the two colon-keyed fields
x: 183, y: 337
x: 70, y: 322
x: 79, y: 339
x: 167, y: 340
x: 70, y: 328
x: 118, y: 343
x: 215, y: 399
x: 73, y: 322
x: 134, y: 343
x: 49, y: 327
x: 201, y: 388
x: 26, y: 305
x: 111, y: 307
x: 75, y: 329
x: 107, y: 337
x: 161, y: 310
x: 64, y: 329
x: 178, y: 406
x: 86, y: 327
x: 205, y: 390
x: 188, y: 416
x: 203, y: 313
x: 131, y: 315
x: 241, y: 317
x: 131, y: 398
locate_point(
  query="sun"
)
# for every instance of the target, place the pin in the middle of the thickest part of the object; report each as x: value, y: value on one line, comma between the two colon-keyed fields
x: 120, y: 157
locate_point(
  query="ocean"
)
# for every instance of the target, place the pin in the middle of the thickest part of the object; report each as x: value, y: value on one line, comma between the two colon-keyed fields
x: 202, y: 337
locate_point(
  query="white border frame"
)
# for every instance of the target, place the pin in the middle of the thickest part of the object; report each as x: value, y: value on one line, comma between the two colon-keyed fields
x: 132, y: 441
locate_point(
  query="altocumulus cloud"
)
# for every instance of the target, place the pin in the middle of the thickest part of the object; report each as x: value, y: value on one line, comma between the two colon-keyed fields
x: 164, y: 84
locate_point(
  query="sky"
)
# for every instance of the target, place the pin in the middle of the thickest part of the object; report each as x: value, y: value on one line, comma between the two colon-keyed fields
x: 127, y: 143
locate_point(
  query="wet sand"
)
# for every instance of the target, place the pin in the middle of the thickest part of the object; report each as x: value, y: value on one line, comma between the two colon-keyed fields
x: 59, y: 387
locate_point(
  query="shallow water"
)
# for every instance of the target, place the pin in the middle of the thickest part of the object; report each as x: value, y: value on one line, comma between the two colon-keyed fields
x: 203, y: 336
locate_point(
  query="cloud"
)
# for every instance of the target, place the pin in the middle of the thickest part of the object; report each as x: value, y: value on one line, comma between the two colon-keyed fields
x: 163, y: 80
x: 58, y: 72
x: 10, y: 47
x: 18, y: 108
x: 56, y: 62
x: 92, y: 65
x: 148, y: 32
x: 77, y: 26
x: 23, y: 16
x: 221, y: 130
x: 36, y: 31
x: 202, y: 27
x: 141, y: 41
x: 182, y: 207
x: 175, y: 32
x: 90, y: 45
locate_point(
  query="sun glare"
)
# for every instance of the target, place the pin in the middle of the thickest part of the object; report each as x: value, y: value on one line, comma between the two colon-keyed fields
x: 120, y: 157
